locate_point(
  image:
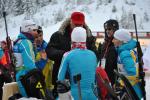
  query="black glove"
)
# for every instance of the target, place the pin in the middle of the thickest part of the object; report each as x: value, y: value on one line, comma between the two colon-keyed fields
x: 63, y: 86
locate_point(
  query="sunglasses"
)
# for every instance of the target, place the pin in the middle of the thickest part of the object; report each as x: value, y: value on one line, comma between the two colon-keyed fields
x: 38, y: 31
x: 35, y: 29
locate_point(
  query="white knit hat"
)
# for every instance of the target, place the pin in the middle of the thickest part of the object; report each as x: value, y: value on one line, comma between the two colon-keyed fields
x: 28, y: 25
x: 78, y: 35
x: 122, y: 35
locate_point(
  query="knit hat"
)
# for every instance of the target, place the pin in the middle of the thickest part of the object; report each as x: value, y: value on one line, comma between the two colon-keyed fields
x: 122, y: 35
x: 28, y: 25
x: 78, y: 35
x: 111, y: 23
x: 78, y: 18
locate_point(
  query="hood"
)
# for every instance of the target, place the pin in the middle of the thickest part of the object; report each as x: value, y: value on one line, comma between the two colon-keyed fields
x: 24, y: 35
x: 21, y: 35
x: 128, y: 46
x: 66, y: 23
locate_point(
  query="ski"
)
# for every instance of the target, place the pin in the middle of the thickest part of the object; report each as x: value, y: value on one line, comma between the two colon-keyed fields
x: 130, y: 91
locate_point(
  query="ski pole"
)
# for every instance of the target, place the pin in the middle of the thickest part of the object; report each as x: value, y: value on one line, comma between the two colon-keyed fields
x: 77, y: 79
x: 140, y: 61
x: 8, y: 40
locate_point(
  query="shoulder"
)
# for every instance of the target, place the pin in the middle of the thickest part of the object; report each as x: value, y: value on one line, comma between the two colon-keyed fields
x: 128, y: 46
x: 44, y: 44
x: 89, y: 33
x: 56, y: 37
x: 56, y: 34
x: 86, y: 51
x: 90, y: 51
x: 1, y: 52
x: 65, y: 24
x: 124, y: 54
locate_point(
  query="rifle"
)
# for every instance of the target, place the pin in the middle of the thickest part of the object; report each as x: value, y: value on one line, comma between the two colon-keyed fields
x: 77, y: 79
x: 8, y: 41
x: 140, y: 61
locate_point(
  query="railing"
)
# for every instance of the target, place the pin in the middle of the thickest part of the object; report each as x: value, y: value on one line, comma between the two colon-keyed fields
x: 141, y: 34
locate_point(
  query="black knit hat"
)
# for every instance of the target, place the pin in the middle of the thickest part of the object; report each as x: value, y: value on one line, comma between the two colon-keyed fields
x: 111, y: 23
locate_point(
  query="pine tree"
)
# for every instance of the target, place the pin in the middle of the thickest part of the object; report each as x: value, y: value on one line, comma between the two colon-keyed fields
x: 114, y: 9
x: 146, y: 17
x: 30, y: 8
x: 19, y: 7
x: 59, y: 16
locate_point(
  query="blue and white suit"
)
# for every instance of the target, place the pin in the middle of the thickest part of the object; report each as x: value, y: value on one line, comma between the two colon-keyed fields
x: 84, y: 62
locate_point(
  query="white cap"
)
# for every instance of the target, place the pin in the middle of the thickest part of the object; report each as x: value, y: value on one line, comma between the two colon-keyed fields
x: 28, y: 26
x: 122, y: 35
x: 78, y: 35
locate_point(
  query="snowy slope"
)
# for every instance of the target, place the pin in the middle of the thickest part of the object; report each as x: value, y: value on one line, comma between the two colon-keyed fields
x: 96, y: 14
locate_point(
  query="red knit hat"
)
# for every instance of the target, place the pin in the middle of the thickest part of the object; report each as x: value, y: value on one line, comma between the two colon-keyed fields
x: 77, y: 18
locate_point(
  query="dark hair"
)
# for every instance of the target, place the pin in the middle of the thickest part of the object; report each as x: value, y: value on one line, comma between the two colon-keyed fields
x: 40, y: 30
x: 4, y: 42
x: 111, y: 23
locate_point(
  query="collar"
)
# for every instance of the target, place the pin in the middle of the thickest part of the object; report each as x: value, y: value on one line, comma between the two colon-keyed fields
x: 81, y: 45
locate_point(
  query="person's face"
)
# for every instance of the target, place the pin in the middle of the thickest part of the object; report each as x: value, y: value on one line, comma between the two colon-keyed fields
x: 109, y: 31
x: 3, y: 45
x: 34, y: 33
x: 39, y: 39
x: 116, y: 42
x: 73, y: 25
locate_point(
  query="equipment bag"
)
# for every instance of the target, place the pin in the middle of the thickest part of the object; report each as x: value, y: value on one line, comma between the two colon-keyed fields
x: 34, y: 84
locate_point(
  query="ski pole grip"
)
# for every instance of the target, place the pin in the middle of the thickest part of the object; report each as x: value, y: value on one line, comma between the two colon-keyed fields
x: 77, y: 78
x: 134, y: 17
x: 4, y: 14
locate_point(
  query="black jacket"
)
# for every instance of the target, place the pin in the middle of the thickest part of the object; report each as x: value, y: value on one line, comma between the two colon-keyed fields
x: 111, y: 58
x: 60, y: 43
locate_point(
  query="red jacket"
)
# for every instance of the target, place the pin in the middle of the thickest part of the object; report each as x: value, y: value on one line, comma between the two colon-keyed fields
x: 5, y: 60
x: 101, y: 72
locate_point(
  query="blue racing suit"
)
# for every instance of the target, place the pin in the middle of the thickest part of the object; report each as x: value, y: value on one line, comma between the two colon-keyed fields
x: 25, y: 59
x: 84, y: 62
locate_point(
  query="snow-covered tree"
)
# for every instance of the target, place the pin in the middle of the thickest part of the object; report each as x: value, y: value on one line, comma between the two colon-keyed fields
x: 6, y: 5
x: 146, y: 17
x: 42, y: 3
x: 126, y: 20
x: 114, y: 9
x: 30, y: 8
x: 18, y: 7
x: 141, y: 24
x: 109, y: 1
x: 54, y: 1
x: 130, y: 2
x: 59, y: 15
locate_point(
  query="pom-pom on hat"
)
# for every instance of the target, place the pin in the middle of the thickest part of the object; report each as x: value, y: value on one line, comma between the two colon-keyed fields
x: 77, y: 18
x: 28, y: 25
x: 78, y: 35
x: 122, y: 35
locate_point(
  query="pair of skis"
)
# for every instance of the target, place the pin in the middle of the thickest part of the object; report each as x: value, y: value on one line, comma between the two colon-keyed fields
x: 127, y: 91
x: 128, y: 87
